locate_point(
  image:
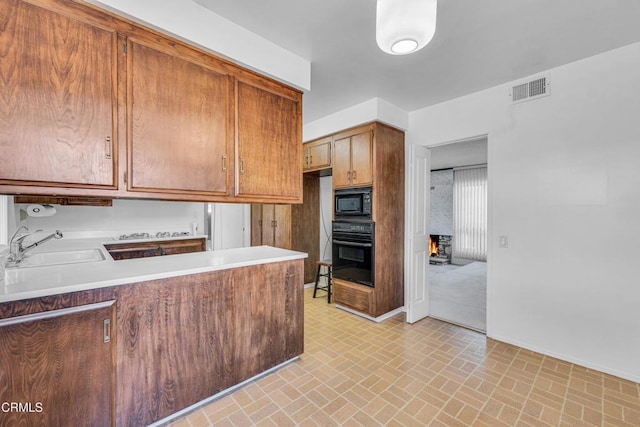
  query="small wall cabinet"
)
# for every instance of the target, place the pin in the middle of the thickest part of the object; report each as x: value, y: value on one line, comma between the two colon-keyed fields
x: 353, y: 160
x: 317, y: 155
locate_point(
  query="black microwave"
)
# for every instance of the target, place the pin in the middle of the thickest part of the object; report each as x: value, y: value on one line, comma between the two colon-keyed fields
x: 352, y: 203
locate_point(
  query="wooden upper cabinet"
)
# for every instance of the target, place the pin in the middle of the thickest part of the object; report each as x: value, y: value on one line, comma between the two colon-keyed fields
x: 361, y: 159
x: 95, y: 105
x: 57, y: 99
x: 342, y: 162
x: 269, y: 141
x: 179, y: 127
x: 353, y: 160
x: 317, y: 155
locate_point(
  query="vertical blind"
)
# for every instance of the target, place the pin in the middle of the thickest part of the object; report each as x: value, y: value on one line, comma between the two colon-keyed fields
x: 470, y: 213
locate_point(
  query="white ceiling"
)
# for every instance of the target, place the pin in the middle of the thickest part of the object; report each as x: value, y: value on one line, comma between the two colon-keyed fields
x: 478, y: 44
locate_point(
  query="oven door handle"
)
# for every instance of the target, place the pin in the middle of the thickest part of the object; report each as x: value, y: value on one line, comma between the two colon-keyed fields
x: 360, y: 245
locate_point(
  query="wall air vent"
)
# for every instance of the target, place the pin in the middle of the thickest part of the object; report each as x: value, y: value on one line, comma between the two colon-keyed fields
x: 530, y: 90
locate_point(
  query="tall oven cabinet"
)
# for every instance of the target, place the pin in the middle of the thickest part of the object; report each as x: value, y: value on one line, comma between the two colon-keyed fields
x: 373, y: 155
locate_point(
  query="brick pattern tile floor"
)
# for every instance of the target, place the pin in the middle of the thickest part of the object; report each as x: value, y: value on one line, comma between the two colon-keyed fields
x: 355, y: 372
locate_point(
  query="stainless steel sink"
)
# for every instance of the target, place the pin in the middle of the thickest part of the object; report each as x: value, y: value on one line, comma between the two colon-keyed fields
x: 42, y: 259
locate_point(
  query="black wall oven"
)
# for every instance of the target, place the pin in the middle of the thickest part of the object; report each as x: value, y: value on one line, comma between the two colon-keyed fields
x: 354, y: 251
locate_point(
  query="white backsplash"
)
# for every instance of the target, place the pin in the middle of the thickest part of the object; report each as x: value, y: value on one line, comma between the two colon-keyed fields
x: 125, y: 216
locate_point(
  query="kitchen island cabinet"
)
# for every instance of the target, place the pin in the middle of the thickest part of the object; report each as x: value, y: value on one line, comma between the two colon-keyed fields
x: 59, y: 364
x: 180, y: 339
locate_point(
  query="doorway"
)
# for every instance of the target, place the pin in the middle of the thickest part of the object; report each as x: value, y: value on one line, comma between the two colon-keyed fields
x: 457, y: 269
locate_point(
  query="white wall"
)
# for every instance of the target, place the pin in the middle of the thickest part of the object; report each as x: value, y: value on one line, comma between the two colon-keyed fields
x: 564, y: 187
x: 125, y: 216
x: 375, y: 109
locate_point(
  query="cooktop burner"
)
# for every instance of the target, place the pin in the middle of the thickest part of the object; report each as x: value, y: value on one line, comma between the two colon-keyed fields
x: 159, y: 234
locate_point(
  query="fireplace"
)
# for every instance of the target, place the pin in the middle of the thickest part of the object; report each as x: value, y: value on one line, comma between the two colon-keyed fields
x: 439, y: 249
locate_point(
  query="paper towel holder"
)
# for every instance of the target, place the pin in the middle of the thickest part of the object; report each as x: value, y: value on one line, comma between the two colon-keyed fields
x: 36, y: 210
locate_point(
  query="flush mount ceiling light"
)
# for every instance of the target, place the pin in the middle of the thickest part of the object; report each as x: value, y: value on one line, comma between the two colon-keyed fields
x: 405, y: 26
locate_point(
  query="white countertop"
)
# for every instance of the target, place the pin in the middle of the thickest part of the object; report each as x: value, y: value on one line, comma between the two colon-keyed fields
x: 34, y: 282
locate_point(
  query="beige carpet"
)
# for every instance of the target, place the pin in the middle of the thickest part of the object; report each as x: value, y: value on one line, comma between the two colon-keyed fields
x: 458, y: 294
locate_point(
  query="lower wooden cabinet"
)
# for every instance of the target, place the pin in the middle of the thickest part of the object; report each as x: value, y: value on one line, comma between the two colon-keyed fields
x: 133, y: 250
x: 58, y: 366
x: 179, y: 340
x: 354, y: 295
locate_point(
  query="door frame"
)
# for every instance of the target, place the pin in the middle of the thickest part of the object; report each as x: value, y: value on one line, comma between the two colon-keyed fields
x: 412, y: 190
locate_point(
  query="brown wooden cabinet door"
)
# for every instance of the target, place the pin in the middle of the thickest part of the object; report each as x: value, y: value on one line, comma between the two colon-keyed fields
x: 268, y: 218
x: 342, y: 162
x: 59, y: 364
x: 176, y: 247
x: 282, y: 226
x: 175, y: 344
x: 57, y: 99
x: 293, y: 310
x: 268, y: 317
x: 361, y: 159
x: 179, y: 132
x: 269, y: 144
x: 256, y: 225
x: 271, y: 225
x: 317, y: 155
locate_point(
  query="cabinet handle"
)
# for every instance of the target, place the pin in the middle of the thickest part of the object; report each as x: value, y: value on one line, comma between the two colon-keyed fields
x: 260, y: 223
x: 224, y: 163
x: 241, y: 166
x: 125, y: 177
x: 107, y: 147
x: 274, y: 224
x: 106, y: 330
x: 311, y: 159
x: 353, y: 176
x: 348, y: 175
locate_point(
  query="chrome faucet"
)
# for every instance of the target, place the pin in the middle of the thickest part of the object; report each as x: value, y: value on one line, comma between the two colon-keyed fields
x: 16, y: 248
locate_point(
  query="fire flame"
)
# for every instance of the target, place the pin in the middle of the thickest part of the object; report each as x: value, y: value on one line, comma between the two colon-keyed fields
x: 433, y: 248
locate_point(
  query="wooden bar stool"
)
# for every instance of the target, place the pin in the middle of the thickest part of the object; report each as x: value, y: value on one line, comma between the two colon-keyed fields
x: 327, y: 274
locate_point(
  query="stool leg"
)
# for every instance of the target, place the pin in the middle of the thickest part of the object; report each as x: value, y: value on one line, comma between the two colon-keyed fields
x: 328, y: 285
x: 315, y: 287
